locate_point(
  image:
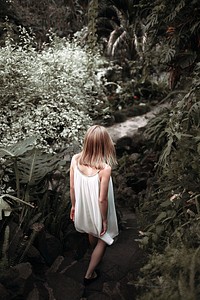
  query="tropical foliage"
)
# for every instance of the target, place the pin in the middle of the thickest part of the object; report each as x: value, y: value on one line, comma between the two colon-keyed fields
x: 170, y: 208
x: 54, y: 94
x: 34, y: 196
x: 168, y: 212
x: 163, y: 35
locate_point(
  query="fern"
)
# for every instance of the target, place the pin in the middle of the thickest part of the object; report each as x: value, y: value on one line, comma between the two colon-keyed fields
x: 194, y: 115
x: 155, y: 131
x: 175, y: 11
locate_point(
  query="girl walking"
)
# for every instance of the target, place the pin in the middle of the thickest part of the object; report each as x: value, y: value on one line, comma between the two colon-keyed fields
x: 91, y: 191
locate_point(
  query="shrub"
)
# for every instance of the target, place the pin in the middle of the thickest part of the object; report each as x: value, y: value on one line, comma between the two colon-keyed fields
x: 53, y: 93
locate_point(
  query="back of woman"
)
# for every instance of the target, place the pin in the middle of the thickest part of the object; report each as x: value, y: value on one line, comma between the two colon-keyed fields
x: 92, y: 197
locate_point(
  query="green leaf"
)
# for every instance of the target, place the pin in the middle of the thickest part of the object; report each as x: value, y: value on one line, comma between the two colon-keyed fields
x: 144, y: 240
x: 161, y: 216
x: 159, y: 229
x: 166, y: 203
x: 194, y: 114
x: 36, y: 164
x: 19, y: 148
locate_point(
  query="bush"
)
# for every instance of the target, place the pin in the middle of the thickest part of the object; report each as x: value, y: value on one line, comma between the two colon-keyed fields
x: 53, y: 93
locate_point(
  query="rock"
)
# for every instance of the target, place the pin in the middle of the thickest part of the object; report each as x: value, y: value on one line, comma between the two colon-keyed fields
x: 25, y: 279
x: 18, y: 280
x: 34, y: 295
x: 56, y: 265
x: 64, y: 288
x: 119, y: 290
x: 99, y: 296
x: 40, y: 291
x: 8, y: 276
x: 119, y: 117
x: 24, y: 270
x: 49, y: 247
x: 54, y: 247
x: 4, y: 294
x: 76, y: 242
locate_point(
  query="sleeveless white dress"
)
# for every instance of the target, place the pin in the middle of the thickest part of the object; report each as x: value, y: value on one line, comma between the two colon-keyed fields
x: 87, y: 212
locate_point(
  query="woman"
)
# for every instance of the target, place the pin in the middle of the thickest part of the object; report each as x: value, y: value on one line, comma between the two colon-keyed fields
x: 91, y: 190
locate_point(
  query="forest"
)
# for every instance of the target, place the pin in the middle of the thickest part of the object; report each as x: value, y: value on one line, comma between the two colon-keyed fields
x: 65, y: 65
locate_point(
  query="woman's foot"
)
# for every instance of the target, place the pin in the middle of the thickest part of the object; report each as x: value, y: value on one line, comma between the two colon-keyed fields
x: 91, y: 279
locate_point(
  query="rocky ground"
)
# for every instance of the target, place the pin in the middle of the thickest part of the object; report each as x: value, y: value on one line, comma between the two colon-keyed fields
x: 120, y: 265
x: 64, y: 279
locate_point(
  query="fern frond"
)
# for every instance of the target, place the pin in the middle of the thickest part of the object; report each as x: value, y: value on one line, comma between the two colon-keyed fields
x: 175, y: 11
x: 163, y: 160
x: 194, y: 115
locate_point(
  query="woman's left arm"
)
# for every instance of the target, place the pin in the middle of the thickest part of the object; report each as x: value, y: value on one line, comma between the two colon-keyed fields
x: 103, y: 196
x: 72, y: 193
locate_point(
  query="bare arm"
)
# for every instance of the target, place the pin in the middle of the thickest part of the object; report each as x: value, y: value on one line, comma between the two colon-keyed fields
x: 72, y: 194
x: 103, y: 196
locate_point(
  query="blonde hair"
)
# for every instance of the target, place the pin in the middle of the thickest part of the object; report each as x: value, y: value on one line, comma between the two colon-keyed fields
x: 98, y: 148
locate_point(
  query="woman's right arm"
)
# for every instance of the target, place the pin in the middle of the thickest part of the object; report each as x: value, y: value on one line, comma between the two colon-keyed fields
x: 103, y: 196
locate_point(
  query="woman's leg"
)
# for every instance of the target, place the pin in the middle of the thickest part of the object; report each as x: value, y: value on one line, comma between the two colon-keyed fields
x: 93, y: 240
x: 96, y: 257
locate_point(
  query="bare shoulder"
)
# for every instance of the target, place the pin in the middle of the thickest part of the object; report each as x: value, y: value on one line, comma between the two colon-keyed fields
x: 75, y: 159
x: 106, y: 172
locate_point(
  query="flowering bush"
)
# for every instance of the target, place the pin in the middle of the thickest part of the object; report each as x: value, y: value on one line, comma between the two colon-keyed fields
x: 53, y: 93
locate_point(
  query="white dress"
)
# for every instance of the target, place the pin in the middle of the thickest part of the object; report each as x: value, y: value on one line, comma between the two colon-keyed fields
x: 87, y: 212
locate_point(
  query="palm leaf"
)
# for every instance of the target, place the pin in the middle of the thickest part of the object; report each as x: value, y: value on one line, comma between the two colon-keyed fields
x: 3, y: 205
x: 19, y: 148
x: 121, y: 39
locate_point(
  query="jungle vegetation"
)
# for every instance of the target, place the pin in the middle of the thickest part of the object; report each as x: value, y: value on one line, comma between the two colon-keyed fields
x: 49, y: 74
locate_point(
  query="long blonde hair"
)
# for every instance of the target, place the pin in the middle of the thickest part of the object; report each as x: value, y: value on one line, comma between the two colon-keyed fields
x: 98, y: 148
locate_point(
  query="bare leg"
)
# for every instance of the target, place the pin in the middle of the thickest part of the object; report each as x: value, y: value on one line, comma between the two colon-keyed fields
x: 93, y: 241
x: 96, y: 257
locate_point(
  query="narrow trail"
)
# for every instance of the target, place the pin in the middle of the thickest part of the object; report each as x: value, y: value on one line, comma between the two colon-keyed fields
x: 118, y: 269
x: 131, y: 126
